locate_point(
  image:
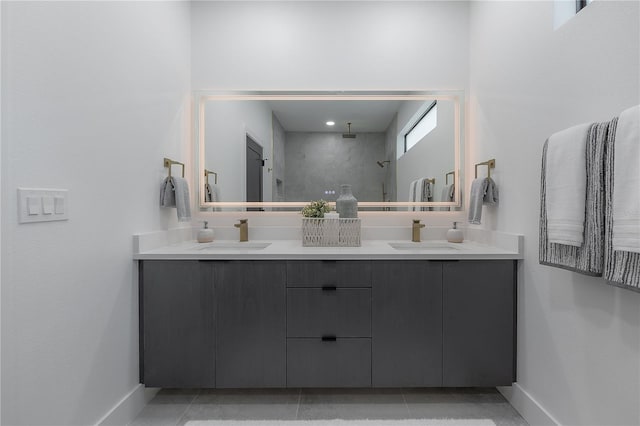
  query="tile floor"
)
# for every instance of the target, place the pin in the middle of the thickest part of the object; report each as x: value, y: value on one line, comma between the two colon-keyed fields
x: 175, y: 407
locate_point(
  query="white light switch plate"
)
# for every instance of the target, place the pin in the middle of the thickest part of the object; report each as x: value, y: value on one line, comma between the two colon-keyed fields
x: 52, y: 204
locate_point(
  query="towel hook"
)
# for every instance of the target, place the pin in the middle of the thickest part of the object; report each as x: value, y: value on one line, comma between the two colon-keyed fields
x: 168, y: 163
x: 491, y: 164
x: 209, y: 172
x: 446, y: 177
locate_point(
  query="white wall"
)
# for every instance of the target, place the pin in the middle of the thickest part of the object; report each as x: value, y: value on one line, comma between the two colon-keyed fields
x: 226, y: 125
x: 578, y: 339
x: 433, y: 157
x: 95, y: 94
x: 329, y: 45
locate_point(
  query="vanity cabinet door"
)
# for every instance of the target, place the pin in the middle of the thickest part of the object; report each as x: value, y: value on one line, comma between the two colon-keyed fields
x: 251, y: 324
x: 479, y: 323
x: 407, y: 324
x: 177, y: 345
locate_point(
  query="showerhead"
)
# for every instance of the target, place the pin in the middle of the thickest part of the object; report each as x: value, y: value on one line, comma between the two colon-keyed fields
x: 381, y: 163
x: 349, y: 135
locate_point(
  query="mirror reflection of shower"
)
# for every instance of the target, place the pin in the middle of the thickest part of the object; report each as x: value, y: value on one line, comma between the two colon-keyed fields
x: 381, y: 163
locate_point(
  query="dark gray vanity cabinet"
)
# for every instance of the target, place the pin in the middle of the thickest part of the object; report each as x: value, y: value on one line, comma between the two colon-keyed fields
x: 251, y: 323
x: 479, y: 322
x: 407, y: 323
x: 177, y: 318
x: 328, y: 323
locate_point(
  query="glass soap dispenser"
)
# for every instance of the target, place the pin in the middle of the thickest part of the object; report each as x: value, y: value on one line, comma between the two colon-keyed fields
x: 454, y: 235
x: 205, y: 235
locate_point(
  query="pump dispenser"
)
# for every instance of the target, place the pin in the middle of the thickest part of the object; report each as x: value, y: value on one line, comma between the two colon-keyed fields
x: 205, y: 235
x: 454, y: 235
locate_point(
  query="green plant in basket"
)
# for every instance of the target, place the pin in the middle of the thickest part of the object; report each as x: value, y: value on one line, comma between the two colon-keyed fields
x: 316, y: 209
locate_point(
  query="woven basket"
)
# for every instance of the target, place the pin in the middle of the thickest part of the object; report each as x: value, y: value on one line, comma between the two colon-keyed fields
x: 330, y: 232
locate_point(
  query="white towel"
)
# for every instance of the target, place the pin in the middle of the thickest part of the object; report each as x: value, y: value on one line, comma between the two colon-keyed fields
x: 412, y: 194
x: 475, y: 200
x: 449, y: 191
x: 447, y: 196
x: 211, y: 193
x: 626, y: 182
x: 566, y: 184
x: 174, y: 192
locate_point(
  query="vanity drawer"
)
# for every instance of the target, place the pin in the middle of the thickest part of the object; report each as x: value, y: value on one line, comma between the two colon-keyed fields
x: 339, y: 273
x: 333, y: 363
x: 340, y: 312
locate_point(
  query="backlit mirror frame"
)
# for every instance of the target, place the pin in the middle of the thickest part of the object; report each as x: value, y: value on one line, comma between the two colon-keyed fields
x: 201, y: 97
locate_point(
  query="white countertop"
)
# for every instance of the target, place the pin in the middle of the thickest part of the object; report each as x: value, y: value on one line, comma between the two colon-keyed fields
x: 293, y: 249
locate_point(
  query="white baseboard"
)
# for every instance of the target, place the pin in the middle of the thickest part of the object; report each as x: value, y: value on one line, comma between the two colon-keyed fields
x: 527, y: 406
x: 128, y: 407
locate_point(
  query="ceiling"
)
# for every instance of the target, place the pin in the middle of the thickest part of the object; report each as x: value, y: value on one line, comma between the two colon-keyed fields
x: 311, y: 115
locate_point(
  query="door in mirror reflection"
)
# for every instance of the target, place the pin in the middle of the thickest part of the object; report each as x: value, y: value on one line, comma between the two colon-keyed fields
x: 254, y: 166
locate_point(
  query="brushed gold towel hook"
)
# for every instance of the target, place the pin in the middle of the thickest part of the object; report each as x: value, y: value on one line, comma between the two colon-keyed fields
x: 491, y: 164
x: 168, y: 163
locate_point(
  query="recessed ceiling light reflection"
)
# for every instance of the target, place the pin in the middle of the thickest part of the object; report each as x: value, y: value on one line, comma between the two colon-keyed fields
x: 330, y: 123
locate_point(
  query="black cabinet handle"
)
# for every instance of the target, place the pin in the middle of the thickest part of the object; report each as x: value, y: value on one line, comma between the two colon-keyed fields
x: 328, y: 338
x: 328, y: 288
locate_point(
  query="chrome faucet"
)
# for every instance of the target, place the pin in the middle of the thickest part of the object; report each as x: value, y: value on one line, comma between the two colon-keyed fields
x: 244, y: 229
x: 415, y: 234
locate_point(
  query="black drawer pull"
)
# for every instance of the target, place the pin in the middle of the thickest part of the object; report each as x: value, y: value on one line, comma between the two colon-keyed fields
x: 328, y: 288
x: 328, y: 338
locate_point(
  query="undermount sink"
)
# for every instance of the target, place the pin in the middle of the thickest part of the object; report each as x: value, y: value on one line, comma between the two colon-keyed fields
x: 425, y: 245
x: 233, y: 245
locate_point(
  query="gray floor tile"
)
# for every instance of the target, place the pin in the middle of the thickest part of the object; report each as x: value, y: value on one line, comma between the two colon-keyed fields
x: 462, y: 404
x: 175, y: 396
x: 276, y: 404
x: 453, y: 395
x: 160, y: 414
x: 352, y: 404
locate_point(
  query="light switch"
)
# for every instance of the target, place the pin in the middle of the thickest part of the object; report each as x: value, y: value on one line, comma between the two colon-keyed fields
x: 33, y: 205
x: 58, y: 205
x: 42, y: 205
x: 47, y: 205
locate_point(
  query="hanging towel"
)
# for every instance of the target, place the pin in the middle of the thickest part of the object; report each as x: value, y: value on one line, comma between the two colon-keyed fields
x: 174, y: 192
x: 412, y: 194
x: 183, y: 203
x: 426, y: 193
x: 566, y: 182
x: 427, y: 190
x: 621, y: 268
x: 215, y: 193
x: 447, y: 193
x: 626, y: 179
x: 588, y: 258
x: 447, y: 196
x: 167, y: 194
x: 208, y: 195
x: 475, y: 200
x: 490, y: 192
x: 211, y: 193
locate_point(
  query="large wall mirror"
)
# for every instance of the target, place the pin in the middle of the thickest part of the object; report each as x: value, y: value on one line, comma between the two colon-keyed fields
x: 270, y: 151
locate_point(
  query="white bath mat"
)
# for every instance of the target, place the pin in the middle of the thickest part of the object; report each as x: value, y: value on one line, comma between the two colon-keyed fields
x: 339, y: 422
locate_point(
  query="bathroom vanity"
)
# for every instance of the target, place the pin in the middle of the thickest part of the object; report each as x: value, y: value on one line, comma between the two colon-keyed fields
x: 364, y: 317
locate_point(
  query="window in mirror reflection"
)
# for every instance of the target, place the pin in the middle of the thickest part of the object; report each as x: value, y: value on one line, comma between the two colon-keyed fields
x: 422, y: 127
